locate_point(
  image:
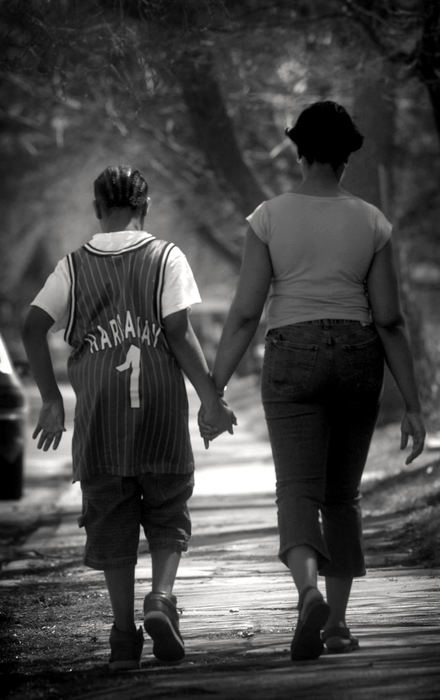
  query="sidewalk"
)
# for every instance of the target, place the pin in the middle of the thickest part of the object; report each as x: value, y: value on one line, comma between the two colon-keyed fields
x: 237, y: 599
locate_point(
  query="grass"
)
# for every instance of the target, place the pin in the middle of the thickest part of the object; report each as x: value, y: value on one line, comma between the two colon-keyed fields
x: 414, y: 499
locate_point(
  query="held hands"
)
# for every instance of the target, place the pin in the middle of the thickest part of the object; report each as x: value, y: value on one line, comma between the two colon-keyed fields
x: 214, y: 420
x: 412, y: 425
x: 50, y: 424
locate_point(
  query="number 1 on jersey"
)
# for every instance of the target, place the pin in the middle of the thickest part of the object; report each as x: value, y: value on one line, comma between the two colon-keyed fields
x: 133, y: 365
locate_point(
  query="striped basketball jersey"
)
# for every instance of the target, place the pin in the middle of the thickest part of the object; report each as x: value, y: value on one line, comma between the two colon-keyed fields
x: 131, y: 411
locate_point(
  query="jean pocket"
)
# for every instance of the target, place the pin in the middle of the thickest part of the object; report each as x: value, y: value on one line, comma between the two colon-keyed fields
x: 289, y: 366
x: 363, y: 364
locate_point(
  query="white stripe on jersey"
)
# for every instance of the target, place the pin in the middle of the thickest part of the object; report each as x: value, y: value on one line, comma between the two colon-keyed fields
x: 161, y: 277
x: 134, y: 246
x: 71, y: 317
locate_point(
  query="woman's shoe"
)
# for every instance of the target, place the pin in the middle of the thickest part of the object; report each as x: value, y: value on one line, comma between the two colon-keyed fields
x: 307, y: 642
x: 339, y: 640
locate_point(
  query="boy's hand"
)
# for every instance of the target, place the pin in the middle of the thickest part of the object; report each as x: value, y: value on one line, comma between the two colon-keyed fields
x: 215, y: 420
x: 50, y: 424
x: 412, y: 424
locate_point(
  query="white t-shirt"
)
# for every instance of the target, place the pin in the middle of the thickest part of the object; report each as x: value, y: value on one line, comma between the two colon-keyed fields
x: 321, y: 249
x: 179, y: 292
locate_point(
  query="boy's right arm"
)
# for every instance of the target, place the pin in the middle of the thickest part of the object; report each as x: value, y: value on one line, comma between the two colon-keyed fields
x: 50, y: 425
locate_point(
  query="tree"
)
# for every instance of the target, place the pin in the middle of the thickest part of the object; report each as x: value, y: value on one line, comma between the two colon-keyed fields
x: 407, y: 34
x: 208, y: 84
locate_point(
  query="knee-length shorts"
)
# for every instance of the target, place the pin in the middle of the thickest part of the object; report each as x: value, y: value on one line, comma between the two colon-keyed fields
x: 114, y: 509
x: 321, y: 388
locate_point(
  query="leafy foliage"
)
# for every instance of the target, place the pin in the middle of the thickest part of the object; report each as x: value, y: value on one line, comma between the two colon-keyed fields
x: 198, y: 93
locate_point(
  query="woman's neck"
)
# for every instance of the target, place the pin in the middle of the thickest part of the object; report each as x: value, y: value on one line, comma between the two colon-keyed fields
x: 320, y: 179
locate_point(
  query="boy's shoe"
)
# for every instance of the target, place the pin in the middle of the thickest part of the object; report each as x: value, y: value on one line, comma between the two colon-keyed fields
x: 126, y: 649
x: 161, y: 621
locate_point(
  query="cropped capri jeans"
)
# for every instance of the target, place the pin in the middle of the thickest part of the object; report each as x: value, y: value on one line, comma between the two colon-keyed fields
x: 321, y: 387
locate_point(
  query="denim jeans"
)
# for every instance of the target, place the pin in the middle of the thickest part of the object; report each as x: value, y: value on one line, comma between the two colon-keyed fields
x: 321, y: 387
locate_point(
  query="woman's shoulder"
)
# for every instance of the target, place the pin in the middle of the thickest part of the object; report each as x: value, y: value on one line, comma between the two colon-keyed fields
x: 292, y: 202
x: 374, y: 213
x: 268, y: 208
x: 281, y: 198
x: 279, y: 201
x: 364, y: 205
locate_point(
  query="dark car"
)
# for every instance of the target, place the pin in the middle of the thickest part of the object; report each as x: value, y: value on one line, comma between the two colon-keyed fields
x: 12, y: 428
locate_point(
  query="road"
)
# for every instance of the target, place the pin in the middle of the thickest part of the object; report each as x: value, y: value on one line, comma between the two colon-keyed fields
x: 237, y: 599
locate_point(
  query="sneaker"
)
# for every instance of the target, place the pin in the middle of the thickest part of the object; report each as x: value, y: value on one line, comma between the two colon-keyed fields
x: 161, y: 621
x: 126, y: 649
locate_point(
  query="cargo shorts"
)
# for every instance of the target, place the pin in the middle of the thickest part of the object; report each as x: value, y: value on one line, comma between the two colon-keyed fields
x: 114, y: 508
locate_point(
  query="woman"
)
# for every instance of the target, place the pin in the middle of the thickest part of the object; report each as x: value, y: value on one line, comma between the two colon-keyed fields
x: 325, y: 258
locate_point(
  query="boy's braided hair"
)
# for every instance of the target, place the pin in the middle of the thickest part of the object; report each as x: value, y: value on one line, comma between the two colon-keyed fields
x: 121, y: 186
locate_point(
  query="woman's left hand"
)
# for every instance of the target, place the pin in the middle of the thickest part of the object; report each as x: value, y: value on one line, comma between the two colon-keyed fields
x: 412, y: 425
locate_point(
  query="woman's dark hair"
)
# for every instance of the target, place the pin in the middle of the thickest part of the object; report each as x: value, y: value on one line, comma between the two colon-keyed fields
x: 325, y: 132
x: 121, y: 186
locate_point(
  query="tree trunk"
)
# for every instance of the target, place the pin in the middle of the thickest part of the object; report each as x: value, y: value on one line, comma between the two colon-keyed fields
x: 215, y: 133
x: 371, y: 177
x: 428, y: 63
x: 369, y: 174
x: 214, y: 129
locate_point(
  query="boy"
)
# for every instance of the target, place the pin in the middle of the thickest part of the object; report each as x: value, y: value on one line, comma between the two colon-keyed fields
x: 123, y: 300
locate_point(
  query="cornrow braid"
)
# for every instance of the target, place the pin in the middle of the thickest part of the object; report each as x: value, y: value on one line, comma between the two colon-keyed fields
x: 121, y: 186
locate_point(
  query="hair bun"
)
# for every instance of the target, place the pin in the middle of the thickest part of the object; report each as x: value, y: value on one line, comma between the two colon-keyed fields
x: 326, y: 133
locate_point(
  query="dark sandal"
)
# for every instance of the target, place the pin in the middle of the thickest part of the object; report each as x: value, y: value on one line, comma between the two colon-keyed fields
x: 307, y: 642
x: 339, y: 640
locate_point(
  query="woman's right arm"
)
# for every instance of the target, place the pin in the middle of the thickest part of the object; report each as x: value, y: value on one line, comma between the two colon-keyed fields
x: 246, y: 309
x: 383, y: 291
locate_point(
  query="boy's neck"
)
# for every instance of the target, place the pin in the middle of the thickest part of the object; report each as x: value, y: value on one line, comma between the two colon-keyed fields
x: 122, y: 219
